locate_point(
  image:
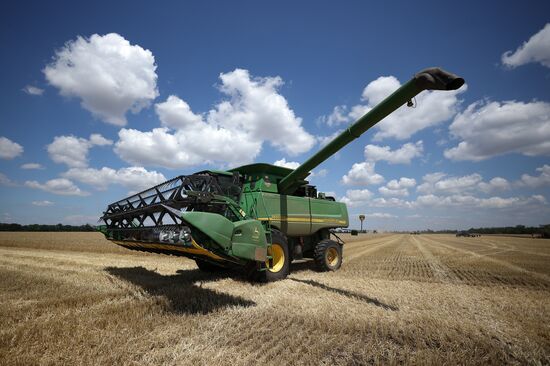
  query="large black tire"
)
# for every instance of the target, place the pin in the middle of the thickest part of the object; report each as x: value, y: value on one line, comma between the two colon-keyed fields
x: 208, y: 267
x: 279, y: 267
x: 327, y: 255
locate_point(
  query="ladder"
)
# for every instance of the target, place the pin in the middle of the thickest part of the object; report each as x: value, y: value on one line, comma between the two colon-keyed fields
x: 267, y: 228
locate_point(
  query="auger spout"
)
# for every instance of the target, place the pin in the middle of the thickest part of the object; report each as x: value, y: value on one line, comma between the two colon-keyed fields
x: 427, y: 79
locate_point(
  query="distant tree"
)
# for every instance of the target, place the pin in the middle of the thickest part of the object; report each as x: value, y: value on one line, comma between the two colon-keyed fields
x: 40, y: 227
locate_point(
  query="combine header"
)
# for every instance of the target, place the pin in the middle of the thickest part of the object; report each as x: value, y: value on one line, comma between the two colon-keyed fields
x: 258, y: 217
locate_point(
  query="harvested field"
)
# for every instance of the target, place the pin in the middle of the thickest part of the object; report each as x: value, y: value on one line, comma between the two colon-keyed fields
x: 74, y: 298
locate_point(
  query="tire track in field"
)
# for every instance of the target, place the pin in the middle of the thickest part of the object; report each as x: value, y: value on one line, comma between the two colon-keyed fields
x: 441, y: 271
x: 494, y: 260
x: 389, y: 261
x: 485, y: 248
x: 513, y: 248
x: 368, y: 240
x: 372, y: 247
x: 489, y: 247
x: 479, y: 246
x: 499, y: 244
x: 360, y: 245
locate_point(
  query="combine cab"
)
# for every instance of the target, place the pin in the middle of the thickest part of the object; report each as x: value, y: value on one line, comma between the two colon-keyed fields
x: 257, y: 217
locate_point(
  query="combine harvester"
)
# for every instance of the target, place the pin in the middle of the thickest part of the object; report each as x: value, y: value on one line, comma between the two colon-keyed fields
x: 257, y: 217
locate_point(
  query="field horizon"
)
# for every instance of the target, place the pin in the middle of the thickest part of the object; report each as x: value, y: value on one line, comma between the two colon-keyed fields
x: 76, y: 298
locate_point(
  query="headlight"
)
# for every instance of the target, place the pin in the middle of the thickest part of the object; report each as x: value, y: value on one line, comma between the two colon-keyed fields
x: 165, y: 236
x: 185, y: 235
x: 175, y: 236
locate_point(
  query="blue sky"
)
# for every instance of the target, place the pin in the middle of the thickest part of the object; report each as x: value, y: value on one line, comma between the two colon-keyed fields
x: 101, y: 99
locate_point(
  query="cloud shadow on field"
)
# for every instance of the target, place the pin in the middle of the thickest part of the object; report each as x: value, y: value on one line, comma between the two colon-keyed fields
x: 350, y: 294
x: 182, y: 294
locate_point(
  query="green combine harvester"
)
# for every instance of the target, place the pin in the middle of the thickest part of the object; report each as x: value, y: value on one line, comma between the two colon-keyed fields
x: 257, y: 217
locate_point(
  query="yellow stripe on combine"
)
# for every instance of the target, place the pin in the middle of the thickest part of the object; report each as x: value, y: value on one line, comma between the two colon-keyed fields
x: 303, y: 219
x: 197, y: 249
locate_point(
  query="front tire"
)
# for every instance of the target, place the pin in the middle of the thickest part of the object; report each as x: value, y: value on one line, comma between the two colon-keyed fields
x: 328, y: 255
x: 278, y: 267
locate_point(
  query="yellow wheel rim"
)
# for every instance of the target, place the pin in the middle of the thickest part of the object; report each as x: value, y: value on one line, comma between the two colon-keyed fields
x: 278, y: 254
x: 332, y: 257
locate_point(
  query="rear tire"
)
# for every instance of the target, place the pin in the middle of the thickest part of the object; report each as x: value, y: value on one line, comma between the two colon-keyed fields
x: 328, y: 255
x: 208, y: 267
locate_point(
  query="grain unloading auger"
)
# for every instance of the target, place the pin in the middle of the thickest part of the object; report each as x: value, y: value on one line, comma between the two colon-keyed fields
x: 259, y: 217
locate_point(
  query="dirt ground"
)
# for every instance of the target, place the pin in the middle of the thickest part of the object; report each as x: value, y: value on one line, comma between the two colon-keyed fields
x: 75, y: 298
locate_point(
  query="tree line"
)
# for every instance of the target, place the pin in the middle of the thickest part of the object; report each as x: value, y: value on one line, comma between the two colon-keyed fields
x: 542, y: 230
x: 41, y: 227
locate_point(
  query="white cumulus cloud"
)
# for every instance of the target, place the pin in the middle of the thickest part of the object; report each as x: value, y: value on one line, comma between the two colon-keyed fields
x: 495, y: 184
x: 33, y: 90
x: 377, y: 90
x: 233, y: 132
x: 338, y: 116
x: 536, y: 49
x: 9, y: 149
x: 380, y: 215
x: 5, y: 181
x: 356, y: 197
x: 133, y: 178
x: 439, y: 190
x: 433, y: 177
x: 537, y: 181
x: 108, y: 74
x: 472, y: 201
x: 403, y: 155
x: 29, y: 166
x: 397, y: 187
x: 324, y: 140
x: 73, y: 151
x: 362, y: 174
x: 42, y: 203
x: 294, y: 164
x: 60, y: 186
x: 183, y: 149
x: 385, y: 191
x: 320, y: 173
x: 390, y: 202
x: 458, y: 184
x: 97, y: 139
x: 287, y: 164
x: 440, y: 183
x: 176, y: 113
x: 363, y: 197
x: 491, y: 129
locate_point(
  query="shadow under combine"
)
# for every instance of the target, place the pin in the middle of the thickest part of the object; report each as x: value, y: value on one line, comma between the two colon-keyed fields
x: 303, y: 265
x: 350, y: 294
x: 180, y: 291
